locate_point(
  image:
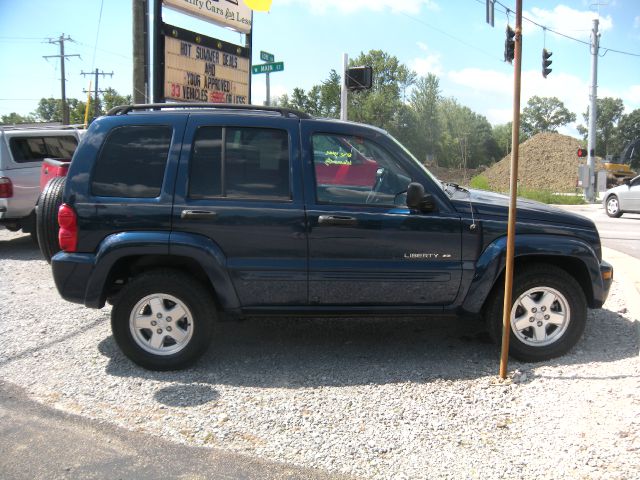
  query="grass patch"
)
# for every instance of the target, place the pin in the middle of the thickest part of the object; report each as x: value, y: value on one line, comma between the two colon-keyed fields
x: 480, y: 182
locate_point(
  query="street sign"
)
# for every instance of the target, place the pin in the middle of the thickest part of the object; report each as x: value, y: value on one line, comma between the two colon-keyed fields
x: 268, y: 67
x: 267, y: 57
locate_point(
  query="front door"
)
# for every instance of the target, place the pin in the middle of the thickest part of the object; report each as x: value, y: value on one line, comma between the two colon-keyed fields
x: 365, y: 247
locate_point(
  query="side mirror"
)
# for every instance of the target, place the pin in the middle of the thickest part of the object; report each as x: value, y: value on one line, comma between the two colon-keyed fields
x: 417, y: 199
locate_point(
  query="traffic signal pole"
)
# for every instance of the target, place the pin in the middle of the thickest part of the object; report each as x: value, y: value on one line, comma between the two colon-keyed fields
x: 513, y: 185
x: 590, y: 194
x: 343, y: 91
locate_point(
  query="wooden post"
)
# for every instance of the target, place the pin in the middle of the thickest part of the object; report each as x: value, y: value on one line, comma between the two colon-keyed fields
x: 513, y: 186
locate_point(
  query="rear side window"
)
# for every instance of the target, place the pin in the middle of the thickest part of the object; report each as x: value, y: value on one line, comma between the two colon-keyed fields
x: 238, y: 162
x: 35, y: 149
x: 132, y: 162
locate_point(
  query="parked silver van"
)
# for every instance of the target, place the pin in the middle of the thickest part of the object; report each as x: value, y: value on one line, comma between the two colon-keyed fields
x: 22, y: 149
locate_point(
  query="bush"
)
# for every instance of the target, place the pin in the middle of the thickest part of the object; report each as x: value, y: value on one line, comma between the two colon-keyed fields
x: 480, y: 182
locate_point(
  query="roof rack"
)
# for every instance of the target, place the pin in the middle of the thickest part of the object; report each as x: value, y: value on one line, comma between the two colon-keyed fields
x: 44, y: 126
x: 285, y: 112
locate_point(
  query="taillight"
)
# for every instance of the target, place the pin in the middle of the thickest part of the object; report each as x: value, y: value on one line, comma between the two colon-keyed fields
x: 6, y: 187
x: 68, y: 234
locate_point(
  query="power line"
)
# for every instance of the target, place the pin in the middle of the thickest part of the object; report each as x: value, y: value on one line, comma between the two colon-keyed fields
x: 95, y: 46
x: 507, y: 10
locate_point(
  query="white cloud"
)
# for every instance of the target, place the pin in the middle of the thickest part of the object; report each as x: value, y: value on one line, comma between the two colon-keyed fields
x: 351, y: 6
x: 427, y: 64
x: 575, y: 23
x: 632, y: 97
x: 636, y: 22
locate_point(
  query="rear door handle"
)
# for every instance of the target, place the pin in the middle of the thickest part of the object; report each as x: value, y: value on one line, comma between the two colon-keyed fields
x: 337, y: 220
x: 197, y: 214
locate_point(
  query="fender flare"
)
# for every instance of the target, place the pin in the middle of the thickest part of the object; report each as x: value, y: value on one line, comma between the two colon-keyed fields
x: 128, y: 244
x: 491, y: 264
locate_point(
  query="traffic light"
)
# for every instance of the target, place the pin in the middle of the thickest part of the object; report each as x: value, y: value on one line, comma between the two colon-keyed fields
x: 582, y: 152
x: 359, y: 78
x: 510, y: 45
x: 546, y: 62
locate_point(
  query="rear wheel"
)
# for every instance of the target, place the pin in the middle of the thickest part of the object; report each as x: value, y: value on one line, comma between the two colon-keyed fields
x: 47, y: 218
x: 163, y: 320
x: 613, y: 207
x: 548, y: 313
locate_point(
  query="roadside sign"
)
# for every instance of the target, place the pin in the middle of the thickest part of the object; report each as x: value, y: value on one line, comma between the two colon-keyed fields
x: 267, y: 57
x: 268, y: 67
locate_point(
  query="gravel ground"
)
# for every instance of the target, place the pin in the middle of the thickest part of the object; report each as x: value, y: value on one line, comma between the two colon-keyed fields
x: 375, y: 399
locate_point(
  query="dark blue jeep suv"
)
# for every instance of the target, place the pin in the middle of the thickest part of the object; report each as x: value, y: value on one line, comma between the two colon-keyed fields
x: 180, y: 215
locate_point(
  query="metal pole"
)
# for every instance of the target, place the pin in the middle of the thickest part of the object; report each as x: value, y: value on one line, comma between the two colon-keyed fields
x: 268, y: 90
x: 593, y: 113
x: 513, y: 183
x: 248, y: 43
x: 343, y: 91
x: 65, y: 107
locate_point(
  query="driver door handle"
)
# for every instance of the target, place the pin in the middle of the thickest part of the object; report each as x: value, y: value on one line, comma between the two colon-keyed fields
x: 198, y: 214
x: 337, y: 220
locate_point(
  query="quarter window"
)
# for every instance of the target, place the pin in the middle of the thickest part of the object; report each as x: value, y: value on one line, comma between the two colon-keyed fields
x: 238, y: 162
x: 132, y: 162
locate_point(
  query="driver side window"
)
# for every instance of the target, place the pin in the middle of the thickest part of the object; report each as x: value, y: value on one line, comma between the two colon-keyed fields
x: 355, y: 170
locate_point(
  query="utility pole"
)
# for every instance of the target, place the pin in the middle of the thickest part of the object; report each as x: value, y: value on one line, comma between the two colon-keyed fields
x: 63, y: 80
x: 593, y: 113
x: 95, y: 96
x: 140, y: 51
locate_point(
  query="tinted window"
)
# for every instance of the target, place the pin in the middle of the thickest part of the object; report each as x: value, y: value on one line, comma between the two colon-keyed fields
x: 355, y: 170
x: 253, y: 164
x: 34, y: 149
x: 132, y: 162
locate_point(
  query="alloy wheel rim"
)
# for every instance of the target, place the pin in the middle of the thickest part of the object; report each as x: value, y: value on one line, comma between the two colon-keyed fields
x: 612, y: 206
x: 540, y: 316
x: 161, y: 324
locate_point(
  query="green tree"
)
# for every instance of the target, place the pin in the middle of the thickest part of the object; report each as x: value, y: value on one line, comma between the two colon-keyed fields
x: 15, y: 118
x: 50, y: 110
x: 545, y: 114
x: 609, y: 112
x: 502, y: 135
x: 381, y: 104
x: 111, y: 98
x: 426, y: 126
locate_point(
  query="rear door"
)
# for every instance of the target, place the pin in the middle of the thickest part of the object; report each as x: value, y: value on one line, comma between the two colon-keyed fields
x: 365, y: 247
x: 239, y: 185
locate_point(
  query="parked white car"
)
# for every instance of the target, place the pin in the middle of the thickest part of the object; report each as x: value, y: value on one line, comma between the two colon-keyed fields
x: 22, y: 149
x: 623, y: 198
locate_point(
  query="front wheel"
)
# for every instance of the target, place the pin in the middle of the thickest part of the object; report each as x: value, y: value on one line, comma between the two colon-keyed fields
x: 548, y: 313
x: 613, y: 207
x: 163, y: 320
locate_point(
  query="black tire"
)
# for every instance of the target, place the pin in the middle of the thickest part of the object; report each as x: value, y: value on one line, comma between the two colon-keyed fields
x: 47, y: 217
x: 570, y: 304
x: 168, y: 290
x: 612, y: 207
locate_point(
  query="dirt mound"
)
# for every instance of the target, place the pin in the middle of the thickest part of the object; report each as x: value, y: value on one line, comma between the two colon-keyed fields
x: 548, y: 161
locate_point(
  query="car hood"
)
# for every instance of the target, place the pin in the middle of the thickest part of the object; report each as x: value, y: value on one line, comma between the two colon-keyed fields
x: 490, y: 204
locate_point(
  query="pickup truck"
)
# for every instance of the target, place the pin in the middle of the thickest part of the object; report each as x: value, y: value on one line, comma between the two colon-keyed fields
x: 182, y: 214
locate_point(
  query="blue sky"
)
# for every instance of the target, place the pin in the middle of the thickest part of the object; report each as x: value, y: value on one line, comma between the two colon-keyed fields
x: 448, y: 38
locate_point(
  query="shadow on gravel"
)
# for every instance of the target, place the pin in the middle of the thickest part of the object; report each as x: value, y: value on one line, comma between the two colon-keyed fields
x: 303, y: 353
x: 19, y: 248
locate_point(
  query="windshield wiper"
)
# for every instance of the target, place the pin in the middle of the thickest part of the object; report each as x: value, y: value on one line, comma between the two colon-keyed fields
x: 455, y: 186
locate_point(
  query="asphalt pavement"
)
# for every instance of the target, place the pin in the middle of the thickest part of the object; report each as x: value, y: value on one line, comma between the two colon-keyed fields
x: 38, y: 442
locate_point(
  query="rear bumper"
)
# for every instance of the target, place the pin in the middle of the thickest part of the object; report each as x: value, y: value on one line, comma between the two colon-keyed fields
x: 71, y: 273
